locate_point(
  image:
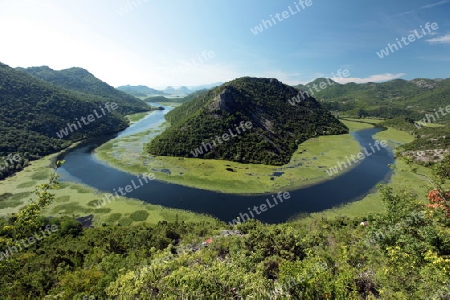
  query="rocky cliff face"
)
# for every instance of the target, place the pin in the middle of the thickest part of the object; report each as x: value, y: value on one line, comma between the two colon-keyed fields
x: 223, y: 101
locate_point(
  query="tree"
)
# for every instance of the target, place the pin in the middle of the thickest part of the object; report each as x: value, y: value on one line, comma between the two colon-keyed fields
x: 28, y: 219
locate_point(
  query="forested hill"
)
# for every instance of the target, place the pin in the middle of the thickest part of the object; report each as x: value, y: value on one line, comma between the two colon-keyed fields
x: 278, y: 126
x: 139, y: 90
x: 33, y: 111
x: 389, y: 99
x: 81, y: 81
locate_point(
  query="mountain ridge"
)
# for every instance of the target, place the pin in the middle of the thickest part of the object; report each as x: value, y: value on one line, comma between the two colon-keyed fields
x: 81, y: 81
x: 33, y: 111
x: 139, y: 90
x: 410, y: 98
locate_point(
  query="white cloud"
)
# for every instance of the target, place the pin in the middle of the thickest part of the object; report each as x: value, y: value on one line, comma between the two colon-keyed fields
x: 371, y: 78
x: 434, y: 4
x: 440, y: 40
x: 421, y: 8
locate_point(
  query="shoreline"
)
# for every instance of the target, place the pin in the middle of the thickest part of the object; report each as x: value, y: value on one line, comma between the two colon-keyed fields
x: 245, y: 179
x: 74, y: 199
x: 77, y: 198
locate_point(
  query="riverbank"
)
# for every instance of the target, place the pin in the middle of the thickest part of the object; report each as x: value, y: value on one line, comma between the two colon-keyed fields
x: 307, y: 167
x: 402, y: 179
x: 78, y: 200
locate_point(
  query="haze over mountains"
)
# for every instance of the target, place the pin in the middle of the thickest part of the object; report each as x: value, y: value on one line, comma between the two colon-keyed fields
x: 145, y: 91
x: 139, y: 90
x: 163, y: 99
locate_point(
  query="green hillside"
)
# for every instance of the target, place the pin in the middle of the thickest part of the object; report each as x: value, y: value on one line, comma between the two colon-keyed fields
x: 159, y: 99
x: 278, y: 127
x: 139, y: 90
x: 33, y: 111
x: 390, y: 99
x: 81, y: 81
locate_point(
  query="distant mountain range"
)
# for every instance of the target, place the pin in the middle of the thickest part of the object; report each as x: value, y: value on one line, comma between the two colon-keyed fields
x: 143, y: 91
x: 277, y: 127
x: 205, y: 86
x: 139, y: 90
x: 162, y: 99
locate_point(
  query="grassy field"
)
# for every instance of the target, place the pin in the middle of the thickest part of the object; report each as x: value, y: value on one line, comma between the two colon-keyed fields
x: 307, y: 166
x: 402, y: 179
x: 395, y: 137
x: 431, y: 125
x: 78, y: 201
x: 134, y: 118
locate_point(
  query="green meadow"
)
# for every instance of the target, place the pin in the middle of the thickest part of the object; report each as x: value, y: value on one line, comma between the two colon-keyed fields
x: 402, y: 180
x: 78, y: 200
x: 307, y: 166
x: 134, y: 118
x: 425, y: 124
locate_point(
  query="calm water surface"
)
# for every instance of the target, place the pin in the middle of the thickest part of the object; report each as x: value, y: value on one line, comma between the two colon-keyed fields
x: 82, y: 167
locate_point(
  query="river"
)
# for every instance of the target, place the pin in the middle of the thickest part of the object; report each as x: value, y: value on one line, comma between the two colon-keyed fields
x: 82, y: 166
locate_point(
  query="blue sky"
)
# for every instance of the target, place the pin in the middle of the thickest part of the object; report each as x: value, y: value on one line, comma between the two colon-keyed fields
x: 156, y: 43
